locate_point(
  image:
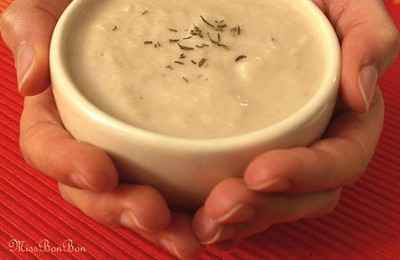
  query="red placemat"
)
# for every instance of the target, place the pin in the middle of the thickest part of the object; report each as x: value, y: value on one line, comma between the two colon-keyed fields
x: 366, y: 225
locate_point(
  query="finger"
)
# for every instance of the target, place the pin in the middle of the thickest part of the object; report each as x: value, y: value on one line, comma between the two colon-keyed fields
x: 48, y: 147
x: 26, y: 27
x: 136, y: 207
x: 337, y: 160
x: 139, y: 208
x: 309, y: 205
x: 218, y: 220
x: 370, y: 42
x: 178, y: 238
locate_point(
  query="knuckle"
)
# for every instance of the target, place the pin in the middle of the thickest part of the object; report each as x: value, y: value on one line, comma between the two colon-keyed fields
x: 21, y: 9
x: 229, y: 192
x: 7, y: 18
x: 33, y: 133
x: 24, y: 140
x: 149, y: 192
x: 391, y: 40
x: 362, y: 156
x: 329, y: 206
x: 49, y: 7
x: 102, y: 212
x: 225, y: 194
x: 25, y: 152
x: 17, y: 9
x: 104, y: 216
x: 98, y: 211
x: 43, y: 6
x: 64, y: 193
x: 230, y: 183
x: 397, y: 41
x: 31, y: 139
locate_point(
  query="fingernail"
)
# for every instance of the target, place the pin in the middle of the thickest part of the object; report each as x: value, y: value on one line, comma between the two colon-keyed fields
x: 368, y: 81
x: 208, y: 231
x: 238, y: 213
x: 274, y: 185
x: 213, y: 237
x: 24, y: 63
x: 170, y: 247
x: 80, y: 181
x: 129, y: 220
x: 222, y: 233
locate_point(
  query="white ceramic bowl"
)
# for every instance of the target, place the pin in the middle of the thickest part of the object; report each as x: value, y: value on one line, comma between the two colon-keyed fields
x: 185, y: 170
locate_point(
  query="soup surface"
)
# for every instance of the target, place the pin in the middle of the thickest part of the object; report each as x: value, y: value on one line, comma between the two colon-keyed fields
x: 196, y: 69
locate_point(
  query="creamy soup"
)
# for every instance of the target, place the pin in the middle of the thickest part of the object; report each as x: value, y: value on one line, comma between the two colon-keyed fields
x: 197, y: 69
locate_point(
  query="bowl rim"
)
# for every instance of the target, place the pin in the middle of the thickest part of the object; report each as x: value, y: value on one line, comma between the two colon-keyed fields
x: 328, y: 89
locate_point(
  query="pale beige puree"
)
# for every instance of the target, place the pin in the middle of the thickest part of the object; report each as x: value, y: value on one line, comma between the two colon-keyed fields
x: 116, y: 67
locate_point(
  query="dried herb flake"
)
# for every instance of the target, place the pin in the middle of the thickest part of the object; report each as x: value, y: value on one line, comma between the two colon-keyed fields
x: 240, y: 57
x: 185, y: 48
x: 202, y: 62
x: 207, y: 22
x: 202, y: 45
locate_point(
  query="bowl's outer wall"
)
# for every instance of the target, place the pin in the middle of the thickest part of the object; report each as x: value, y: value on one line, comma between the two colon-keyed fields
x: 187, y: 175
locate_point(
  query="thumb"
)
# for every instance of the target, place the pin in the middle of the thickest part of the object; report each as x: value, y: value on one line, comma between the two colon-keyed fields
x: 370, y: 43
x: 26, y: 27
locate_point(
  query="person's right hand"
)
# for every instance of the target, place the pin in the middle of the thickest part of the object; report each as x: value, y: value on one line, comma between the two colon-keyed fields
x: 86, y: 175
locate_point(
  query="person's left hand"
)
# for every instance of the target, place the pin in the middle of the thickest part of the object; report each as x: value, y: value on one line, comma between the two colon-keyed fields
x: 287, y: 185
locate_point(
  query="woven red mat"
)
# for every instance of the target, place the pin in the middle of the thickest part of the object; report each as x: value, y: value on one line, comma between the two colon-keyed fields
x: 366, y: 225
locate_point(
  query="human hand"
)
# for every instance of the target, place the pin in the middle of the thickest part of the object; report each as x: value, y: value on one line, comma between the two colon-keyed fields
x: 86, y: 175
x: 287, y: 185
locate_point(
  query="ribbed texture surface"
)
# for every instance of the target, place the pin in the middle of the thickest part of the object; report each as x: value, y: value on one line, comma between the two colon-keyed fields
x: 366, y: 225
